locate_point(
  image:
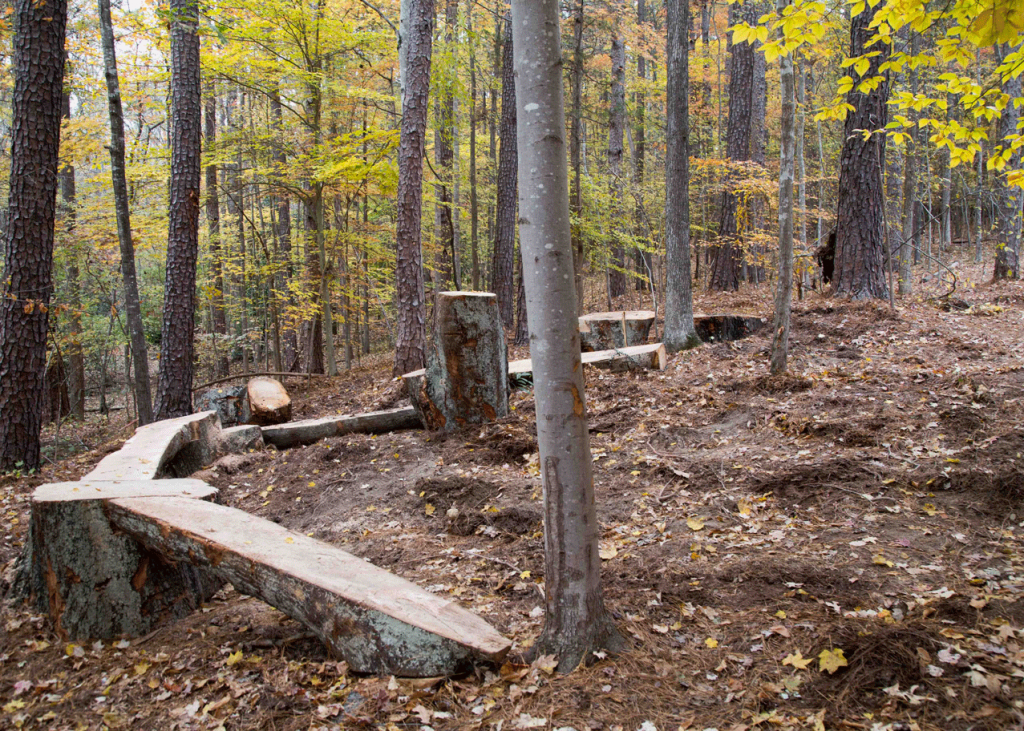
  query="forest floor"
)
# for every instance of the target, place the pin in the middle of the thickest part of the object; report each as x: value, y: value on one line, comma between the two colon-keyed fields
x: 863, y: 516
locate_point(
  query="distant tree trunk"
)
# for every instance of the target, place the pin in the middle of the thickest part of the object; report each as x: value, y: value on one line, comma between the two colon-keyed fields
x: 1008, y: 249
x: 801, y: 168
x: 787, y: 155
x: 220, y: 322
x: 860, y: 236
x: 503, y: 264
x: 575, y: 146
x: 284, y: 234
x: 679, y: 331
x: 28, y: 255
x: 415, y: 51
x: 522, y: 324
x: 725, y: 269
x: 616, y: 128
x: 76, y: 359
x: 576, y: 622
x: 642, y: 257
x: 445, y: 151
x: 909, y: 188
x: 474, y: 201
x: 133, y: 307
x: 174, y: 393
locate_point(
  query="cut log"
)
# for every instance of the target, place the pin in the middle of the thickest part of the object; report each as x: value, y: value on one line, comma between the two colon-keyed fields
x: 238, y: 439
x: 638, y: 357
x: 722, y: 328
x: 606, y: 330
x: 231, y: 404
x: 466, y: 378
x: 269, y: 402
x: 376, y: 621
x: 169, y: 448
x: 313, y: 430
x: 95, y: 583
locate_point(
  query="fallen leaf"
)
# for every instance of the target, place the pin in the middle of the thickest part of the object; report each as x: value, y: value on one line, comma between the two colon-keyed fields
x: 695, y: 524
x: 798, y: 661
x: 832, y: 660
x: 429, y: 509
x: 607, y: 550
x: 234, y: 658
x: 711, y: 642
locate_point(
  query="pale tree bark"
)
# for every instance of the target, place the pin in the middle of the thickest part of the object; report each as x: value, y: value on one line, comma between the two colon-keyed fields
x: 133, y: 307
x: 174, y: 391
x: 860, y: 236
x: 801, y: 167
x: 616, y: 129
x: 503, y: 261
x: 1007, y: 264
x: 679, y: 331
x: 576, y: 622
x: 909, y: 188
x: 787, y: 155
x: 27, y: 282
x: 415, y: 52
x: 76, y: 358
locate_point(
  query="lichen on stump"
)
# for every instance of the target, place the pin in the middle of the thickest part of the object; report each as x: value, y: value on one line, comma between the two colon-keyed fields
x: 95, y: 582
x: 466, y: 378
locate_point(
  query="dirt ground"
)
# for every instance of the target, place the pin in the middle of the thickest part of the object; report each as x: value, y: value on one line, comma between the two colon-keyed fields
x: 862, y: 515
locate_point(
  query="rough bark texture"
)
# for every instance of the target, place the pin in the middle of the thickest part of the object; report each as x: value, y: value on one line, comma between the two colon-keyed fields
x: 28, y: 254
x: 860, y: 237
x: 174, y: 392
x: 679, y: 333
x: 269, y: 402
x: 418, y: 24
x: 503, y: 262
x: 787, y: 159
x: 97, y: 583
x: 616, y: 129
x: 605, y: 330
x: 466, y: 380
x: 373, y: 422
x: 1007, y: 264
x: 219, y: 317
x: 576, y: 621
x: 165, y: 448
x: 378, y: 622
x: 725, y: 270
x: 76, y: 356
x: 231, y: 404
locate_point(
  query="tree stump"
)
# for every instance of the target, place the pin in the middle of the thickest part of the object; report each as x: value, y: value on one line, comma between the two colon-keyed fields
x: 95, y: 583
x: 269, y: 402
x: 466, y: 378
x: 608, y: 330
x: 723, y: 328
x: 231, y: 404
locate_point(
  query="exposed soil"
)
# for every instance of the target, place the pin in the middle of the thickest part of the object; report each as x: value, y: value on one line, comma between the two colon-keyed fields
x: 870, y: 501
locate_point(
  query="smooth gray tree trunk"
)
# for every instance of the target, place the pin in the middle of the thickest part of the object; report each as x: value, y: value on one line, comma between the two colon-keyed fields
x: 576, y: 622
x: 787, y: 155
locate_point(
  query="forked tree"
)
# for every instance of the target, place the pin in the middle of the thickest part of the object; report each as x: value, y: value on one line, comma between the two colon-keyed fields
x: 26, y: 283
x: 576, y: 622
x: 174, y: 394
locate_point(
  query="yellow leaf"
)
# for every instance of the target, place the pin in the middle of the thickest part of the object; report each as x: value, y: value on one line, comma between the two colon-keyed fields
x: 312, y: 484
x: 744, y: 506
x: 234, y: 658
x: 14, y: 706
x: 695, y: 523
x: 429, y: 510
x: 798, y: 661
x: 289, y: 539
x: 524, y: 575
x: 831, y: 660
x: 781, y: 614
x: 929, y: 509
x: 711, y: 642
x: 607, y: 550
x: 881, y: 560
x: 141, y: 668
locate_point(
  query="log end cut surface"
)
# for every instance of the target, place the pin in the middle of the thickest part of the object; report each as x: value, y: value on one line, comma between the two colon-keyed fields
x: 269, y: 402
x: 378, y: 622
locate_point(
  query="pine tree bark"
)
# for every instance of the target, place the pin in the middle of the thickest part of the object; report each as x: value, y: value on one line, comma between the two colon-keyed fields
x: 576, y: 622
x: 787, y: 158
x: 642, y: 257
x: 174, y: 392
x: 415, y: 56
x: 133, y: 307
x: 860, y: 235
x: 503, y: 263
x: 1007, y: 264
x: 679, y: 330
x: 28, y: 255
x: 76, y: 358
x: 219, y: 317
x: 616, y: 129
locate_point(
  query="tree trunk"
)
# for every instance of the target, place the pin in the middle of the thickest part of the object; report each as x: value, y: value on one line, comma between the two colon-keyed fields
x: 725, y: 270
x: 787, y: 156
x: 133, y: 307
x: 284, y: 236
x: 679, y: 332
x: 412, y: 315
x: 474, y: 202
x: 220, y: 322
x: 32, y: 200
x: 174, y: 393
x: 860, y: 234
x: 575, y: 145
x: 76, y: 358
x: 503, y: 264
x: 909, y: 188
x: 1007, y: 264
x: 616, y: 128
x: 576, y: 622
